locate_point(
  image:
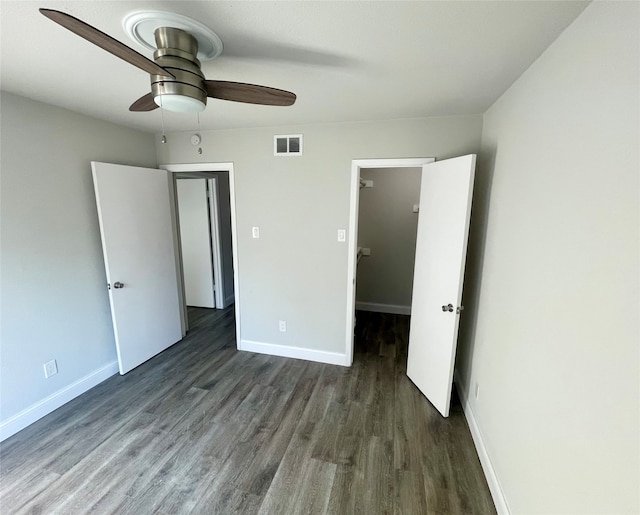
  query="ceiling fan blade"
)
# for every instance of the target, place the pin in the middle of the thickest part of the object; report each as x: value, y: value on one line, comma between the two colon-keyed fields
x: 144, y: 103
x: 249, y: 93
x: 104, y: 41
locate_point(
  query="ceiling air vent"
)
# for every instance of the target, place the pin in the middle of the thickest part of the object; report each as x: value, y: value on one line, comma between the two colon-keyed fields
x: 287, y: 145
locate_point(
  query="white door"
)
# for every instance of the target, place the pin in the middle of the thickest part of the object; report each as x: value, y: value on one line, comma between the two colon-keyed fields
x: 216, y: 242
x: 139, y: 254
x: 441, y: 248
x: 195, y: 242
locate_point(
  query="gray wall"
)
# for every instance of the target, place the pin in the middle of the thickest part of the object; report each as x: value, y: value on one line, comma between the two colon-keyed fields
x: 551, y: 331
x: 54, y: 302
x: 297, y: 271
x: 387, y: 225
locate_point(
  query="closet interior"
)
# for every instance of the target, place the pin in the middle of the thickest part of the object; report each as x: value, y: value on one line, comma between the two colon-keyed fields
x: 388, y: 209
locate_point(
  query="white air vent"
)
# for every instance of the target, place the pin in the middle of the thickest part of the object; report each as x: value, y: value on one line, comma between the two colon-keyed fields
x: 287, y: 145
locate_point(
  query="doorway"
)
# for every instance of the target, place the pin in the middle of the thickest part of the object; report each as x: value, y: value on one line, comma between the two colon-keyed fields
x: 357, y: 168
x: 223, y: 173
x: 387, y: 227
x: 441, y: 241
x: 204, y: 221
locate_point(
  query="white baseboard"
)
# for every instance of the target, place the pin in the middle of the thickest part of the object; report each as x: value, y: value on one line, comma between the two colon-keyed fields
x: 38, y: 410
x: 273, y: 349
x: 492, y: 479
x: 383, y: 308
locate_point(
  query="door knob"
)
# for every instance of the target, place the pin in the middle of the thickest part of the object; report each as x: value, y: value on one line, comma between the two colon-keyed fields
x: 118, y: 285
x: 448, y: 307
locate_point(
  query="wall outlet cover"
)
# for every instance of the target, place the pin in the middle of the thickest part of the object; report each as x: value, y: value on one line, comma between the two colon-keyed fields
x: 50, y: 368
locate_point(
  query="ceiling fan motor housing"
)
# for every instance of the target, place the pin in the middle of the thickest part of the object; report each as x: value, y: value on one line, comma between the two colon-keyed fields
x: 176, y: 53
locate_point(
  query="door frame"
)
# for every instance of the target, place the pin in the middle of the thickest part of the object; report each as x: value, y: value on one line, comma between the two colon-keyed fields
x: 216, y: 240
x: 208, y: 167
x: 213, y: 243
x: 352, y: 252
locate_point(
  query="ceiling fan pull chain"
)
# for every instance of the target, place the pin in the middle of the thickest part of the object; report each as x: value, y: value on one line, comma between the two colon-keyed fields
x: 164, y: 137
x: 199, y: 132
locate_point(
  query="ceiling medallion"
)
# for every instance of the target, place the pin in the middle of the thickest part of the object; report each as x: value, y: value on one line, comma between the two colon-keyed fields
x: 141, y: 26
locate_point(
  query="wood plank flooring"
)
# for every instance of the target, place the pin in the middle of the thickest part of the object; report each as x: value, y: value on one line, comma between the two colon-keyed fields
x: 203, y: 428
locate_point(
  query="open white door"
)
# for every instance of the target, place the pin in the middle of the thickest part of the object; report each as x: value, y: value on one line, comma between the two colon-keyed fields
x: 441, y: 248
x: 139, y: 255
x: 195, y: 240
x: 216, y: 242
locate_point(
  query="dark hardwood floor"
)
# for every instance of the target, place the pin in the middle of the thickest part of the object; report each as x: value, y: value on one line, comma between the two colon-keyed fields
x: 203, y: 428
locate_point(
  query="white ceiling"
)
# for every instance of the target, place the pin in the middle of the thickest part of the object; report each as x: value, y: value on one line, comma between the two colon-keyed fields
x: 346, y: 61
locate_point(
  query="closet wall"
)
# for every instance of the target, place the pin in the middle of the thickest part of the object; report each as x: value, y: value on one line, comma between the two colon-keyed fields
x: 387, y: 225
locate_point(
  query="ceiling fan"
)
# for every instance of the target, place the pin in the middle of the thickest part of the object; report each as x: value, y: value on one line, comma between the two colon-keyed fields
x: 177, y: 82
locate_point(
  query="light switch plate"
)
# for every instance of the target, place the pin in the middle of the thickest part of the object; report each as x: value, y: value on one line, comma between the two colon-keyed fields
x: 255, y: 232
x: 342, y: 235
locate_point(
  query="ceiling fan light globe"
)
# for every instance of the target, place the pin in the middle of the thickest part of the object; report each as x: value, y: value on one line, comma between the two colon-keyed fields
x: 179, y: 103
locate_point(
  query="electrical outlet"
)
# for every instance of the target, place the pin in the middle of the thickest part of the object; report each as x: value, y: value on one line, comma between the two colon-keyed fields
x: 255, y: 232
x: 477, y: 390
x: 282, y: 324
x: 50, y: 368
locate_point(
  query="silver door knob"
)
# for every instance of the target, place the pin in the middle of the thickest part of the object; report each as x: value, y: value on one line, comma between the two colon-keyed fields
x: 448, y: 307
x: 118, y: 285
x: 459, y: 309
